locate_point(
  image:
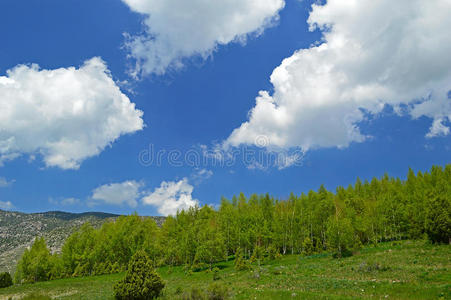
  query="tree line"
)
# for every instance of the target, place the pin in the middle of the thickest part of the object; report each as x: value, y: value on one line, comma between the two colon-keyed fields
x: 252, y: 228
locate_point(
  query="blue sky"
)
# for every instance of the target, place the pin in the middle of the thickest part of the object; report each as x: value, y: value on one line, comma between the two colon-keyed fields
x: 199, y: 105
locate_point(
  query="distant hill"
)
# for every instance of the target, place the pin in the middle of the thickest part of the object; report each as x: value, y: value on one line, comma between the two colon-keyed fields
x: 18, y: 231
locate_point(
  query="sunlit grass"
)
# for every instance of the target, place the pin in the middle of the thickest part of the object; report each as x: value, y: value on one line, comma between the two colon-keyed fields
x: 400, y: 270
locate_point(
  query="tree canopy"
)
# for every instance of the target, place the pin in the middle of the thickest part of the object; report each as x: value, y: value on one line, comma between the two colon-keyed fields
x: 364, y: 213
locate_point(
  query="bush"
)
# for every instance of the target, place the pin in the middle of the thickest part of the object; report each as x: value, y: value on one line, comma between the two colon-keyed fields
x: 5, y: 280
x: 241, y: 263
x: 141, y: 281
x: 197, y: 267
x: 272, y: 252
x: 216, y: 275
x: 217, y: 291
x: 368, y: 267
x: 257, y: 255
x: 307, y: 247
x: 344, y: 253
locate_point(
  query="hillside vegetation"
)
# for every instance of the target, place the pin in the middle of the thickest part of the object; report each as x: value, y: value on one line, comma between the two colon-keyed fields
x: 252, y: 231
x: 18, y: 231
x: 391, y: 270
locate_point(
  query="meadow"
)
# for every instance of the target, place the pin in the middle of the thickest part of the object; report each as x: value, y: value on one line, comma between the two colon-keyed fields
x: 391, y: 270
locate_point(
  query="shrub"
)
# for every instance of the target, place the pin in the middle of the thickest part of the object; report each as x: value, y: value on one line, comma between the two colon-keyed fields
x: 194, y: 294
x: 141, y: 281
x: 257, y: 255
x: 272, y: 252
x: 217, y: 291
x: 178, y: 290
x: 307, y: 247
x: 5, y: 280
x: 344, y: 253
x: 216, y: 275
x: 368, y: 267
x: 240, y: 263
x: 197, y: 267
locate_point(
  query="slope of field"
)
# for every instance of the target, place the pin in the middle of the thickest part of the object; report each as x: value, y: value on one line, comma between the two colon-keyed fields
x: 394, y: 270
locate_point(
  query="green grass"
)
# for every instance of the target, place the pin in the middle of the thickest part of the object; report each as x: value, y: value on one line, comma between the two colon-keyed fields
x: 405, y: 270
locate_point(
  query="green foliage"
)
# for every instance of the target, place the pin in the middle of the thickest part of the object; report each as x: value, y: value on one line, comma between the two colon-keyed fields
x: 141, y: 281
x: 216, y: 275
x: 5, y: 280
x: 241, y: 263
x: 340, y: 236
x: 36, y: 264
x: 307, y: 247
x: 438, y: 219
x: 217, y: 291
x: 272, y: 252
x: 258, y: 227
x: 257, y: 255
x: 109, y: 249
x: 416, y: 270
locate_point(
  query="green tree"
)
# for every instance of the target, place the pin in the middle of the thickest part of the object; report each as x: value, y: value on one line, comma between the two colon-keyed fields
x: 438, y: 219
x: 35, y: 264
x: 5, y: 280
x: 141, y: 281
x: 340, y: 236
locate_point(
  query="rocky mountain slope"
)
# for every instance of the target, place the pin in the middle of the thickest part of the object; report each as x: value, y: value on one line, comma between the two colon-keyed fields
x: 18, y: 231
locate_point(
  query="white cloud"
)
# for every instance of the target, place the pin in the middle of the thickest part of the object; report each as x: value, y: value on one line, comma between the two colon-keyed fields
x: 65, y: 201
x: 5, y: 183
x: 178, y: 29
x: 373, y: 53
x: 6, y: 205
x: 70, y: 201
x: 127, y: 192
x: 201, y: 175
x: 67, y: 115
x: 438, y: 129
x: 171, y: 197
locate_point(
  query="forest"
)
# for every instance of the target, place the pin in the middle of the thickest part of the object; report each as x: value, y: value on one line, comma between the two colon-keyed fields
x: 258, y: 227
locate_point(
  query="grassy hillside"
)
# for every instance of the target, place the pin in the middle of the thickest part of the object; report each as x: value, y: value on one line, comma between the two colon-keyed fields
x: 394, y: 270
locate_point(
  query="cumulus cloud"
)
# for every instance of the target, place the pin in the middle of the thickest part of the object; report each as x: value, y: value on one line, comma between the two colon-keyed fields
x: 6, y: 205
x: 66, y: 115
x: 5, y: 183
x: 178, y: 29
x: 127, y: 192
x: 171, y: 197
x: 372, y: 53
